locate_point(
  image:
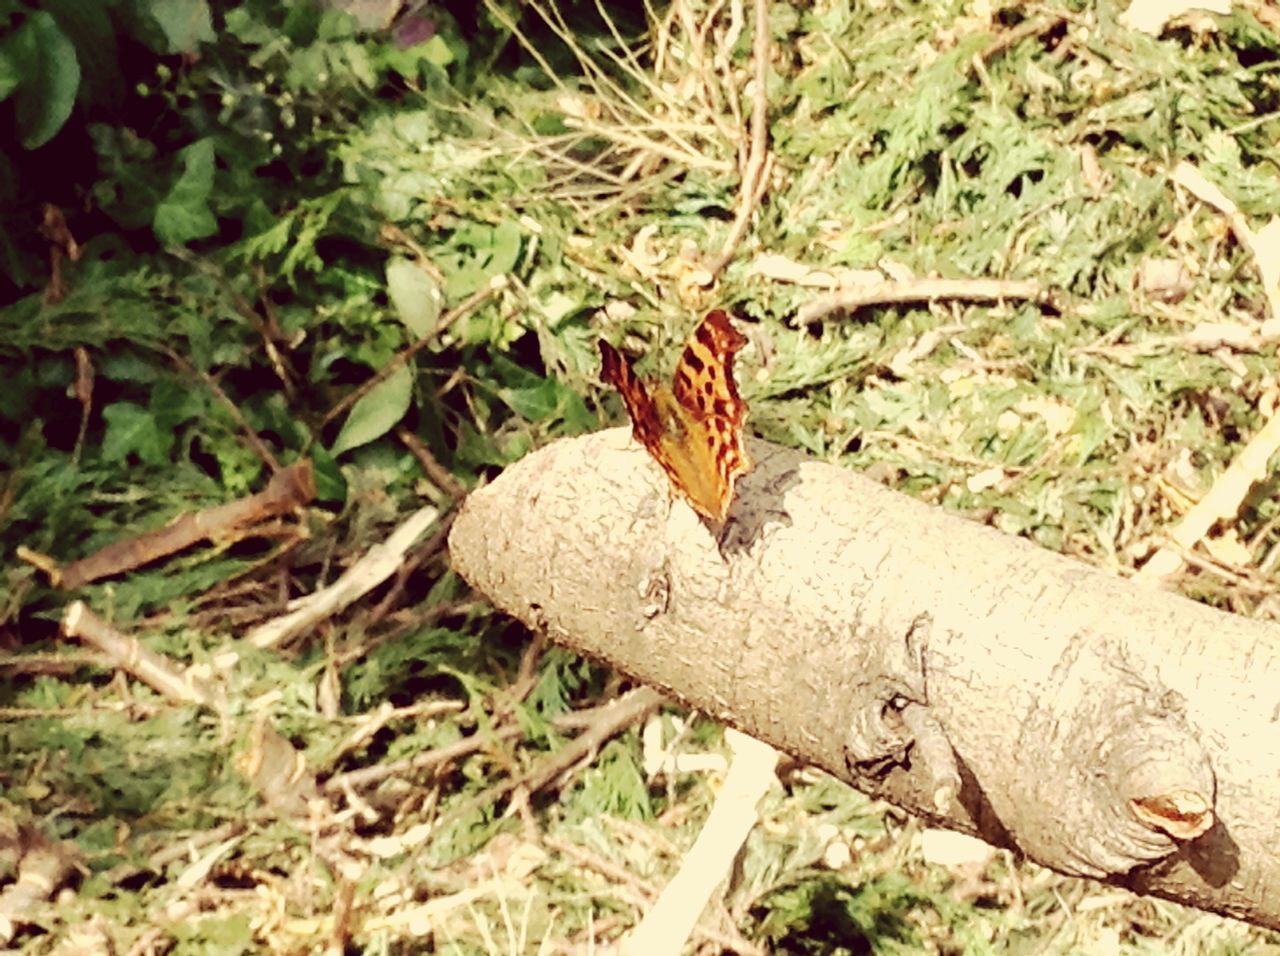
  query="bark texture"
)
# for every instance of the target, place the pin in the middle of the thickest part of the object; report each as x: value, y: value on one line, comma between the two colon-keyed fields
x: 1102, y: 728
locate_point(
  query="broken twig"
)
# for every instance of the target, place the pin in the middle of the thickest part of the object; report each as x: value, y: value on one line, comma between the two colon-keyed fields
x: 918, y: 290
x: 287, y: 491
x: 755, y: 174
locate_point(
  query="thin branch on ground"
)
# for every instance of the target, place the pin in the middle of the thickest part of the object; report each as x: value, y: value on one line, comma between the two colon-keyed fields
x: 439, y: 475
x: 608, y: 720
x: 129, y: 655
x: 268, y: 329
x: 44, y: 867
x: 755, y: 175
x: 288, y: 490
x: 255, y: 441
x: 1224, y: 499
x: 366, y: 777
x: 416, y: 559
x: 667, y: 926
x: 468, y: 305
x: 642, y: 892
x: 379, y: 563
x: 919, y: 290
x: 1015, y: 35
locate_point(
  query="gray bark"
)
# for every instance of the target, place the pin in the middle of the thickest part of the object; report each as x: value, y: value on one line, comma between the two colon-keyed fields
x: 971, y: 678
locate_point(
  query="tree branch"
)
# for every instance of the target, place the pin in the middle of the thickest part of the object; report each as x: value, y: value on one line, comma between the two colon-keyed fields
x: 913, y: 653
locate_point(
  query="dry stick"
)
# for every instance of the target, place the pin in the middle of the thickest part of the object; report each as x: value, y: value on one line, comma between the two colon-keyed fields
x: 496, y: 284
x: 607, y: 721
x: 288, y: 490
x: 642, y: 891
x: 441, y: 756
x: 268, y: 330
x: 756, y: 174
x: 411, y: 564
x: 232, y: 408
x: 379, y: 563
x: 1223, y: 500
x: 1014, y: 36
x: 614, y: 717
x: 667, y: 926
x: 128, y: 654
x: 1265, y: 258
x: 43, y: 869
x: 84, y: 393
x: 442, y: 477
x: 919, y: 290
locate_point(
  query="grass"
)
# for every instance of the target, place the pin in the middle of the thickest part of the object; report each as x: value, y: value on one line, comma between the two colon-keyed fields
x: 595, y: 169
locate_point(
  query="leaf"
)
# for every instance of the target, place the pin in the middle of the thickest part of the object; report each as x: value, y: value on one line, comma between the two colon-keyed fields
x: 9, y: 75
x: 377, y: 413
x: 183, y: 214
x: 132, y: 429
x: 89, y: 28
x: 184, y: 23
x: 415, y: 296
x: 46, y: 62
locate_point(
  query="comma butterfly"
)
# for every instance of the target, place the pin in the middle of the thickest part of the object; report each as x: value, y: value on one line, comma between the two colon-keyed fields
x: 694, y: 428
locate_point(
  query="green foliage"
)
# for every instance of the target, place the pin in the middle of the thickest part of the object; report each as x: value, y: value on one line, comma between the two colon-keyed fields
x: 376, y: 413
x: 38, y: 66
x: 183, y: 214
x: 271, y: 201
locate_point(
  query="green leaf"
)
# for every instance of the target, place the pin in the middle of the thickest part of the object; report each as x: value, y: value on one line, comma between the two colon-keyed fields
x: 185, y: 23
x: 132, y: 429
x: 437, y: 51
x: 183, y: 214
x: 377, y: 413
x: 90, y: 29
x: 415, y: 296
x: 330, y: 485
x: 9, y: 75
x: 49, y: 73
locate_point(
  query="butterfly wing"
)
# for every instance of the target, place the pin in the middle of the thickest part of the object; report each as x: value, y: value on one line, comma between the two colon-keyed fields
x: 646, y: 422
x: 694, y: 429
x: 704, y: 387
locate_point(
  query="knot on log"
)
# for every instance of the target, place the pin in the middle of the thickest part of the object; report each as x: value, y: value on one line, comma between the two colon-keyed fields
x: 1141, y: 779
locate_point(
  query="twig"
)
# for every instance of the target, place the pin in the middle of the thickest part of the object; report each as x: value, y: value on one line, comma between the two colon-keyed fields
x: 494, y: 285
x: 1014, y: 36
x: 1265, y: 259
x: 378, y: 564
x: 1222, y: 501
x: 755, y: 176
x: 442, y: 477
x: 232, y: 408
x: 84, y: 393
x: 441, y: 756
x: 607, y: 720
x: 268, y: 329
x: 411, y: 564
x: 45, y: 866
x: 918, y: 290
x: 127, y: 653
x: 667, y: 926
x: 402, y: 624
x: 614, y: 717
x: 1249, y: 467
x: 61, y: 243
x: 287, y: 491
x: 643, y: 892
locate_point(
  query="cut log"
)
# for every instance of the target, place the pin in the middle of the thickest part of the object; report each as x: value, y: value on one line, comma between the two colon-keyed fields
x: 1102, y: 728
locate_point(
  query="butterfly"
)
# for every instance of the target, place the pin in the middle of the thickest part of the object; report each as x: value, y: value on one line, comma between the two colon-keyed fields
x: 694, y: 428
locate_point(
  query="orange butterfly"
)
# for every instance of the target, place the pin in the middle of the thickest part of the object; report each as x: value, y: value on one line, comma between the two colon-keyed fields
x: 694, y: 428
